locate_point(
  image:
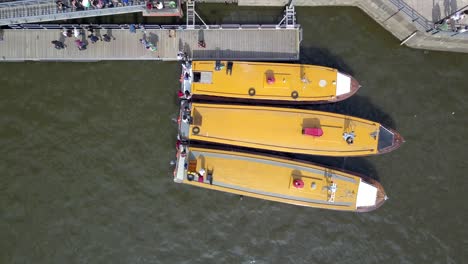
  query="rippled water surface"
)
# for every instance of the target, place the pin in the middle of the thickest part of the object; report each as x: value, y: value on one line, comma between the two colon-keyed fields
x: 85, y: 151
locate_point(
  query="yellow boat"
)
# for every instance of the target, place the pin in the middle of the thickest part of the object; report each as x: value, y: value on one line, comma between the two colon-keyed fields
x: 277, y: 179
x: 274, y: 82
x: 285, y: 130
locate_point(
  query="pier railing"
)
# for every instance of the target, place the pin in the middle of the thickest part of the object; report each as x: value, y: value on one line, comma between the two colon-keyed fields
x: 145, y: 26
x: 227, y: 41
x: 419, y: 20
x: 451, y: 25
x: 424, y: 24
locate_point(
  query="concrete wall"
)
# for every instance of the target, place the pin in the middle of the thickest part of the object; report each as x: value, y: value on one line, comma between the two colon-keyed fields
x: 387, y: 15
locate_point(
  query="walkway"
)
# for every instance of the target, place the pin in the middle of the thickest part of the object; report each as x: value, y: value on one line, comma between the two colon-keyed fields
x: 33, y: 11
x: 405, y: 19
x: 230, y: 42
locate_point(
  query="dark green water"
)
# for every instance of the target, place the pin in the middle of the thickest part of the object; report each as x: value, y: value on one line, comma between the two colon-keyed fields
x: 85, y: 151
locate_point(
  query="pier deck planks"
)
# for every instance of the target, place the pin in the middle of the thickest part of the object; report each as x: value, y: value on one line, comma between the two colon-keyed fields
x: 240, y: 44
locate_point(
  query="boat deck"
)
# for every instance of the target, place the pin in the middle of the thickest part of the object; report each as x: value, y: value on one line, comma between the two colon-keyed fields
x: 281, y: 129
x: 239, y: 44
x: 272, y: 179
x: 266, y: 80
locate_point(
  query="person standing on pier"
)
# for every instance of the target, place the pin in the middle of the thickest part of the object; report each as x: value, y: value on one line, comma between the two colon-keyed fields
x: 67, y: 33
x: 93, y: 38
x: 106, y: 38
x: 61, y: 6
x: 80, y: 44
x: 76, y: 32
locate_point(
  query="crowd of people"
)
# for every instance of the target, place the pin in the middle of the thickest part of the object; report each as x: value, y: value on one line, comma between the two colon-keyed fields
x: 81, y: 43
x: 78, y: 5
x: 454, y: 22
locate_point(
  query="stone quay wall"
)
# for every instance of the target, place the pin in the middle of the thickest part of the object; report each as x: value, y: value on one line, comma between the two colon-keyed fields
x: 388, y: 16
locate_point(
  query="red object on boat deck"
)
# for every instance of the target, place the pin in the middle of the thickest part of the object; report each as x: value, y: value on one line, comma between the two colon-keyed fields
x: 200, y: 178
x: 298, y: 183
x: 270, y: 80
x: 312, y: 131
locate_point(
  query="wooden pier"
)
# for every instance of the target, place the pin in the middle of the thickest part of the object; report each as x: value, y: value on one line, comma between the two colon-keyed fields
x: 235, y: 42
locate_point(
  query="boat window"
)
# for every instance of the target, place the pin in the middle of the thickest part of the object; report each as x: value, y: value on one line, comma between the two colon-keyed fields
x: 202, y: 77
x: 196, y: 76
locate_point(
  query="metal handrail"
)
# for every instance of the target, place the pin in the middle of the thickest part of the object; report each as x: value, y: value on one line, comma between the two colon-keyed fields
x: 414, y: 16
x: 27, y: 11
x: 453, y: 28
x: 143, y: 26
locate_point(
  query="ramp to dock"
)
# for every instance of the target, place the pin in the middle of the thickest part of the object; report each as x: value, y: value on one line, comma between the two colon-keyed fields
x: 225, y: 42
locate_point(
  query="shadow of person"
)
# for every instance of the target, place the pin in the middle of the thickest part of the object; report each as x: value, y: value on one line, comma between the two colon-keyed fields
x: 447, y: 11
x: 61, y: 38
x: 187, y: 49
x: 109, y: 33
x: 84, y: 40
x: 97, y: 33
x: 453, y: 6
x: 201, y: 35
x: 153, y: 38
x: 181, y: 45
x: 436, y: 15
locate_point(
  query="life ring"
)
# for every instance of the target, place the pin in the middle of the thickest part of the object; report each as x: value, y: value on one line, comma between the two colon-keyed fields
x: 294, y: 95
x: 251, y: 91
x: 298, y: 183
x: 195, y: 130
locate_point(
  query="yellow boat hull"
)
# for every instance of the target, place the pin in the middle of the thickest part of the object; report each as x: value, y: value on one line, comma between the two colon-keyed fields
x: 262, y: 81
x: 277, y: 179
x: 284, y: 130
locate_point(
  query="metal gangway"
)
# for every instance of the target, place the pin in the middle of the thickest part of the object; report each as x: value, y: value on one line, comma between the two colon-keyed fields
x: 34, y: 11
x: 192, y: 15
x: 289, y: 19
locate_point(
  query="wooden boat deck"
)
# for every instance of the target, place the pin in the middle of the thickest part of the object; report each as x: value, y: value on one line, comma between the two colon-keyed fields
x: 249, y: 80
x: 280, y: 129
x: 231, y: 44
x: 277, y: 179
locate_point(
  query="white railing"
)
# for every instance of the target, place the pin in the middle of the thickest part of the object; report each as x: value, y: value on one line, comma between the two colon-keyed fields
x: 145, y: 26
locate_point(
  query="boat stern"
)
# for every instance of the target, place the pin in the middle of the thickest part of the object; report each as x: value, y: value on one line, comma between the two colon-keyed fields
x: 371, y: 195
x: 346, y: 86
x: 389, y: 140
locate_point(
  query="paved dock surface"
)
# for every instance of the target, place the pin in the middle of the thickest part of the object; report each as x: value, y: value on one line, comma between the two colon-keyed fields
x: 410, y: 21
x: 240, y: 44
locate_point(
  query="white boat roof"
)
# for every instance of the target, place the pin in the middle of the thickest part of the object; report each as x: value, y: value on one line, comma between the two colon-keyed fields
x: 343, y: 84
x: 367, y: 195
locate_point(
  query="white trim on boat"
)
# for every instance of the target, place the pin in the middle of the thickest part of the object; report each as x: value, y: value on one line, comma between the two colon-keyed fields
x: 366, y: 195
x: 180, y: 169
x: 343, y: 84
